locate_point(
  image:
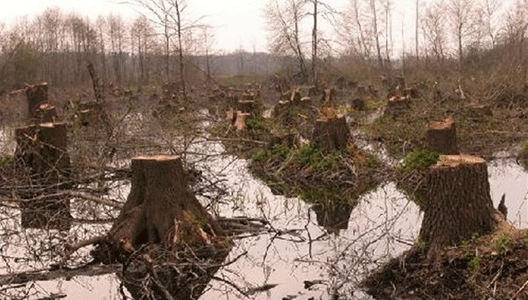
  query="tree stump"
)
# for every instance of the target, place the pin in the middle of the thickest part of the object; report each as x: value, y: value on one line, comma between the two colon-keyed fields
x: 331, y: 134
x: 42, y: 150
x: 46, y: 113
x: 396, y: 106
x: 36, y: 95
x: 240, y: 121
x: 458, y: 203
x: 441, y: 136
x: 161, y: 211
x: 329, y: 95
x: 247, y: 106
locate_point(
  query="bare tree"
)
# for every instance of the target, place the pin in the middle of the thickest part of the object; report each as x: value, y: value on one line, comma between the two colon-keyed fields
x: 491, y: 8
x: 416, y: 30
x: 460, y: 14
x: 142, y: 34
x: 375, y: 29
x: 433, y: 25
x: 284, y: 27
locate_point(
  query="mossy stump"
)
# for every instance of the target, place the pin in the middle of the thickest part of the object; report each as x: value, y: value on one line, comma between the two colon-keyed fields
x: 459, y: 204
x: 441, y: 136
x: 42, y: 152
x: 162, y: 224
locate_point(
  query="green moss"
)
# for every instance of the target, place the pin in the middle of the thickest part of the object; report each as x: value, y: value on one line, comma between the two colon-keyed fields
x: 307, y: 154
x: 419, y: 159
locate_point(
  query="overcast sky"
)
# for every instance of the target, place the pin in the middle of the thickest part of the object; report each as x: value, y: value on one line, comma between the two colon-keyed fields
x: 239, y: 24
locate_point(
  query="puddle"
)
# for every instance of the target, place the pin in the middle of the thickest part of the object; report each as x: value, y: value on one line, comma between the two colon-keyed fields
x: 507, y: 177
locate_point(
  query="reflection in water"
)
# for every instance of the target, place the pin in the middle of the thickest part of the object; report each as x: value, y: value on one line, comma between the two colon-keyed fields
x: 507, y: 177
x: 333, y: 217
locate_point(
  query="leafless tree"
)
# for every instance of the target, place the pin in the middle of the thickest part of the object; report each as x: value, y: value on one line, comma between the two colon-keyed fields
x: 490, y: 13
x: 142, y: 34
x: 283, y: 21
x: 461, y: 13
x: 433, y: 26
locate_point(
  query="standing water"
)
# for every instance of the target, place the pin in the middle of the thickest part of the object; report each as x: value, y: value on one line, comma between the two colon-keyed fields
x: 298, y: 258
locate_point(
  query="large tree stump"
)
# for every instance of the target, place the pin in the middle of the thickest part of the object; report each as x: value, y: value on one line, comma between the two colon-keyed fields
x: 441, y: 136
x: 46, y: 113
x: 162, y: 211
x: 458, y: 203
x: 331, y: 134
x: 42, y: 151
x: 36, y: 95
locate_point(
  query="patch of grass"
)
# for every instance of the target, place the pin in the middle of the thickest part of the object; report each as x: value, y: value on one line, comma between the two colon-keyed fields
x: 280, y: 151
x: 260, y: 155
x: 419, y: 159
x: 503, y: 242
x: 317, y: 159
x: 307, y: 154
x: 524, y: 149
x: 373, y: 162
x: 398, y: 135
x: 4, y: 160
x: 375, y: 104
x: 327, y: 195
x: 473, y: 267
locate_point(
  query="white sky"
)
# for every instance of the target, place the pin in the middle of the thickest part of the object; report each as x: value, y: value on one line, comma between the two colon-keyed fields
x: 239, y: 24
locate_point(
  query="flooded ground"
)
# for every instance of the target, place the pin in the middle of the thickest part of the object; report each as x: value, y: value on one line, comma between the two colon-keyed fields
x: 297, y: 259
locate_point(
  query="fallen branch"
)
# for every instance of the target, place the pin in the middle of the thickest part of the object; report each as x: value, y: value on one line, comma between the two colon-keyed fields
x: 48, y: 275
x: 107, y: 202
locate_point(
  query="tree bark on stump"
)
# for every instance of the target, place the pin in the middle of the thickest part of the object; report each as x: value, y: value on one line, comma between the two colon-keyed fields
x: 46, y: 113
x: 441, y: 136
x: 458, y: 203
x: 161, y: 211
x: 331, y: 134
x: 397, y: 105
x: 42, y: 149
x: 36, y: 95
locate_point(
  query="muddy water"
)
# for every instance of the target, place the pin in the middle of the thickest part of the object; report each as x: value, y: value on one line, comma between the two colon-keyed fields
x: 297, y: 250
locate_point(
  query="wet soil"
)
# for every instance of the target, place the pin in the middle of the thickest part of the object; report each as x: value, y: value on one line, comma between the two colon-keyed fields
x: 490, y: 267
